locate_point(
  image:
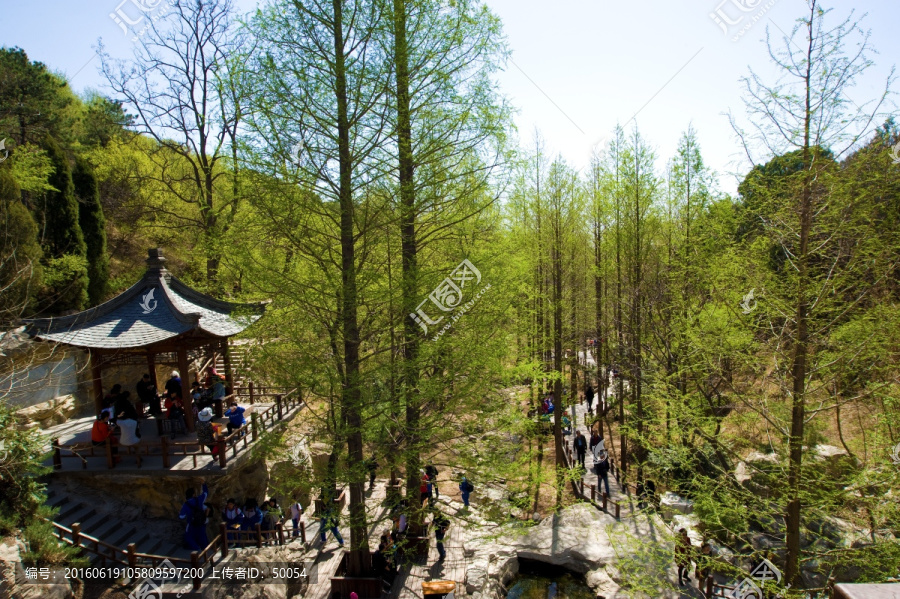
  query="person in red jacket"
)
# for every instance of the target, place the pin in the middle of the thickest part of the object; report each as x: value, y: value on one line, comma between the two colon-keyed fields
x: 102, y: 430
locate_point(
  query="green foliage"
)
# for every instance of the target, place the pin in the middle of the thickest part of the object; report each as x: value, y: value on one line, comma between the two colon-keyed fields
x: 42, y: 546
x: 21, y: 492
x: 20, y: 253
x: 34, y: 102
x: 65, y: 282
x: 93, y: 226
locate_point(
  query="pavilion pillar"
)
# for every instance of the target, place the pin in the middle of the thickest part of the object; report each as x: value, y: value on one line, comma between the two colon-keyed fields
x: 97, y: 379
x: 225, y: 348
x: 186, y: 389
x: 151, y: 368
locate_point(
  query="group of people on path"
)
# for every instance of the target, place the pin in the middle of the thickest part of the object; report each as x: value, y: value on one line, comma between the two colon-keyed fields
x: 196, y: 514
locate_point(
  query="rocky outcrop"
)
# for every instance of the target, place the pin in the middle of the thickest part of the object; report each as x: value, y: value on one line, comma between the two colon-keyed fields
x: 580, y: 539
x: 15, y: 585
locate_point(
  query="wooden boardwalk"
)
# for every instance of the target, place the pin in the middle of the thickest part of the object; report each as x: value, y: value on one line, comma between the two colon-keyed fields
x: 408, y: 583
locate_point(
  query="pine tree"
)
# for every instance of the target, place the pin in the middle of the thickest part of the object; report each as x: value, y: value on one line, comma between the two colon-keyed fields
x: 93, y: 227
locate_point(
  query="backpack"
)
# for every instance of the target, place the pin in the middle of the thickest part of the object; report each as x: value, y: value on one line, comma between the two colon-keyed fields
x: 198, y: 516
x: 467, y: 487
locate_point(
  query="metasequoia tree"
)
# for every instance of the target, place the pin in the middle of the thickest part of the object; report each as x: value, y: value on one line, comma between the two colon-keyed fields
x: 178, y: 87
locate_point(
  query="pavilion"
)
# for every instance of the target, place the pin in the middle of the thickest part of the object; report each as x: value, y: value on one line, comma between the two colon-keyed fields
x: 159, y: 319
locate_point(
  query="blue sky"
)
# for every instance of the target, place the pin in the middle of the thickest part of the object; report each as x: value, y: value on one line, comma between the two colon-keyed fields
x: 578, y: 66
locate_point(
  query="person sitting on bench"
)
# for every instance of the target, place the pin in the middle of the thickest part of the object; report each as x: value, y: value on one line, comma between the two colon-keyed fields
x: 102, y: 430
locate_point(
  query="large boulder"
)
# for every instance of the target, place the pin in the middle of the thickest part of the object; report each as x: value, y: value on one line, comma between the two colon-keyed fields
x: 671, y: 504
x: 47, y: 413
x: 580, y: 539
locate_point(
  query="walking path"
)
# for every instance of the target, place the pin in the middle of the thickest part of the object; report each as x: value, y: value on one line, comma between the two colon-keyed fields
x: 408, y: 583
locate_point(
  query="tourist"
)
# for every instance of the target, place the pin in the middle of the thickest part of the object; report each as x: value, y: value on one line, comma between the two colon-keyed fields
x: 123, y: 407
x: 296, y: 512
x: 235, y: 414
x: 704, y: 562
x: 683, y: 550
x: 441, y: 524
x: 175, y: 411
x: 173, y: 385
x: 274, y: 513
x: 596, y: 439
x: 601, y: 467
x: 432, y: 473
x: 197, y: 396
x: 109, y: 400
x: 589, y: 397
x: 146, y: 392
x: 216, y: 384
x: 206, y: 434
x: 233, y: 517
x: 580, y: 444
x: 465, y: 488
x: 253, y: 516
x: 193, y: 513
x: 380, y: 567
x: 424, y: 488
x: 547, y: 406
x: 271, y: 517
x: 372, y: 468
x: 130, y: 433
x: 329, y: 521
x: 102, y: 430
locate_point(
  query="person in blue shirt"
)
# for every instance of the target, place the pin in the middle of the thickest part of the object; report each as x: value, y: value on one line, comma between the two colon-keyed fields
x: 193, y: 513
x: 235, y: 414
x: 252, y: 516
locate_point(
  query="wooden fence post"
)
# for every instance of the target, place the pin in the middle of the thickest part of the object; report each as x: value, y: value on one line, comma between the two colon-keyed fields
x: 110, y: 463
x: 195, y: 565
x: 57, y: 454
x: 254, y: 426
x: 223, y: 450
x: 164, y: 442
x: 279, y: 528
x: 303, y: 532
x: 259, y: 536
x: 132, y: 558
x: 250, y: 387
x: 76, y: 534
x: 604, y: 497
x: 618, y: 516
x: 279, y: 407
x: 709, y: 586
x: 593, y: 492
x: 223, y: 533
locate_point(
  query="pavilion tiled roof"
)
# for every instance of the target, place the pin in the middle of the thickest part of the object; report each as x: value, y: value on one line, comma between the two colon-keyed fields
x: 156, y: 308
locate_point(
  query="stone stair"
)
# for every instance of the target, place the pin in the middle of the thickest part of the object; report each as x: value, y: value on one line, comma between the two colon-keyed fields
x: 108, y: 528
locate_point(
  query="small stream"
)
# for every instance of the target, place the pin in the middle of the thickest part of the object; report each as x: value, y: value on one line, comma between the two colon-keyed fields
x: 543, y: 581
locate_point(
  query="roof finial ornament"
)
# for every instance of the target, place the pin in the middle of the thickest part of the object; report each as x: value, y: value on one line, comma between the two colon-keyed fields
x: 155, y: 259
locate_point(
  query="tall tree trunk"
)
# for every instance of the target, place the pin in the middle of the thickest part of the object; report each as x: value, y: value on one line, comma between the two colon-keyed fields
x: 798, y: 365
x: 409, y: 254
x: 359, y: 560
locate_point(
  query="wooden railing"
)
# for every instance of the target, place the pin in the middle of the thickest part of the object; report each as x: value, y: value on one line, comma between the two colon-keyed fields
x: 199, y: 560
x: 239, y: 439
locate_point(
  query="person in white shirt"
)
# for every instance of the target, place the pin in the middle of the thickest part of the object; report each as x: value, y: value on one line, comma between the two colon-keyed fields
x: 130, y: 436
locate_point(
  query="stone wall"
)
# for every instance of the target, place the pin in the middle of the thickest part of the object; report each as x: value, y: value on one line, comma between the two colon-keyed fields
x: 161, y: 494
